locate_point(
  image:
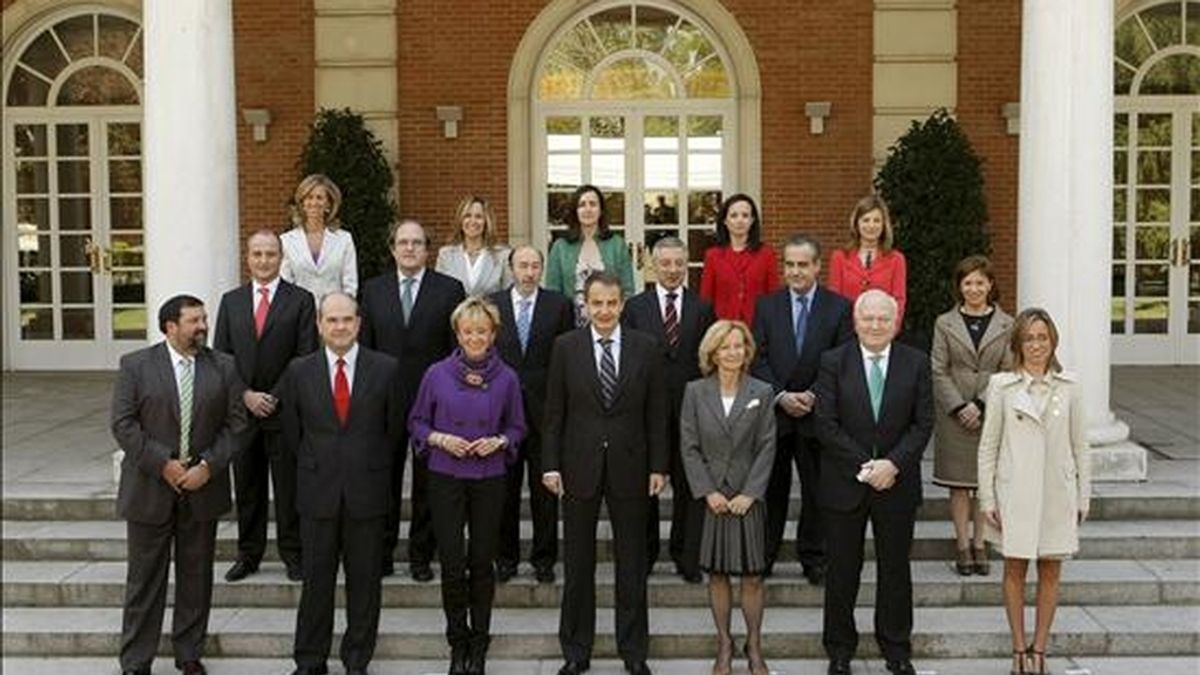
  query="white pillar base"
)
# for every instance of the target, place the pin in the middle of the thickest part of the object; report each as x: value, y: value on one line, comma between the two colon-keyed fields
x: 1121, y: 462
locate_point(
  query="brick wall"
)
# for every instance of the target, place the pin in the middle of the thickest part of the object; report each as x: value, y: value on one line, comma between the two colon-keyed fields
x: 989, y: 75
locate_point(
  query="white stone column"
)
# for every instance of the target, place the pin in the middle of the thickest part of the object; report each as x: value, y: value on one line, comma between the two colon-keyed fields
x: 1064, y: 254
x: 190, y: 142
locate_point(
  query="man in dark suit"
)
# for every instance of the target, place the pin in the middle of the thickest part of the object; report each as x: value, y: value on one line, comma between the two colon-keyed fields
x: 264, y: 325
x: 678, y: 320
x: 531, y: 319
x: 605, y: 438
x: 342, y: 419
x: 792, y: 328
x: 177, y: 413
x: 406, y: 314
x: 874, y: 417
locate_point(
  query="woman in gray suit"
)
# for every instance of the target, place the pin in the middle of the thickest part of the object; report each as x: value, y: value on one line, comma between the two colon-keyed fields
x: 727, y: 440
x: 473, y: 257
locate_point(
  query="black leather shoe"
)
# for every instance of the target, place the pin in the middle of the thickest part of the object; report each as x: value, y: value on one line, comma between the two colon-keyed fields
x: 240, y: 570
x: 901, y: 667
x: 637, y: 668
x: 505, y: 571
x: 839, y: 667
x: 477, y: 656
x: 387, y: 569
x: 421, y: 572
x: 544, y: 575
x: 575, y: 667
x: 193, y: 668
x: 295, y: 573
x: 815, y: 575
x: 136, y: 671
x: 314, y: 670
x: 356, y: 671
x: 692, y: 576
x: 458, y: 660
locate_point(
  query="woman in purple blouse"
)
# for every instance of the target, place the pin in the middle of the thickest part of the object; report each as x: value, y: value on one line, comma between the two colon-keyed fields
x: 466, y: 424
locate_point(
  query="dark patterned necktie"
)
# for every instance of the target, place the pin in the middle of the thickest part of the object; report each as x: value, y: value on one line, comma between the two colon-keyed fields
x: 671, y: 320
x: 608, y: 372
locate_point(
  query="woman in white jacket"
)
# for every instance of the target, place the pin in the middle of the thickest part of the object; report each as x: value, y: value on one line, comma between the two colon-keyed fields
x: 1034, y: 476
x: 318, y: 255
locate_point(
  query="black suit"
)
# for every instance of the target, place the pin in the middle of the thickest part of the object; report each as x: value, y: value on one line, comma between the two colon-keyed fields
x: 146, y: 425
x: 552, y: 315
x: 290, y: 330
x: 850, y: 435
x: 425, y: 339
x: 644, y: 312
x: 605, y: 452
x: 344, y: 494
x: 829, y: 324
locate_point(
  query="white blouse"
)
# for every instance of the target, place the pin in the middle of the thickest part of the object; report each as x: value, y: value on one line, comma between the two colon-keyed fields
x: 336, y: 266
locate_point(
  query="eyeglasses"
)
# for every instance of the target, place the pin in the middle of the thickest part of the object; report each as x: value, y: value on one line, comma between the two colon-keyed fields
x: 409, y: 243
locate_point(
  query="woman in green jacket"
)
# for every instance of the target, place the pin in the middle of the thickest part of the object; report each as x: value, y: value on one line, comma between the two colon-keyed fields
x: 589, y: 246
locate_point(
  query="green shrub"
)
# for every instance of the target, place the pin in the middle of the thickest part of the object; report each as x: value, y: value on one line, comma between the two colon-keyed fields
x: 933, y: 184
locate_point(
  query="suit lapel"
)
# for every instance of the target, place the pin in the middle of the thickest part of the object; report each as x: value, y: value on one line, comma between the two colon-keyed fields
x: 958, y: 331
x: 740, y: 403
x: 323, y: 381
x: 783, y: 308
x: 425, y: 292
x: 858, y: 378
x: 166, y: 377
x: 996, y: 328
x: 589, y: 352
x: 624, y: 365
x: 711, y: 396
x: 283, y: 295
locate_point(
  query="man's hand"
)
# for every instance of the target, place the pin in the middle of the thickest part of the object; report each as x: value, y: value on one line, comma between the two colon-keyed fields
x: 172, y: 473
x: 717, y: 503
x: 883, y: 474
x: 259, y: 403
x: 658, y: 481
x: 791, y: 403
x: 195, y: 477
x: 455, y: 445
x: 553, y: 482
x: 808, y: 402
x: 740, y: 504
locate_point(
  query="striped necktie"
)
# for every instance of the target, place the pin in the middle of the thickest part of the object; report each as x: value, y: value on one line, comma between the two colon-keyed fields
x: 671, y: 320
x: 608, y: 372
x: 524, y: 319
x: 186, y: 379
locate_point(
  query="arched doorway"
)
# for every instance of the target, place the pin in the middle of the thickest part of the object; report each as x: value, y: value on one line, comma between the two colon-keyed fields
x: 74, y: 269
x: 1156, y: 181
x: 654, y: 102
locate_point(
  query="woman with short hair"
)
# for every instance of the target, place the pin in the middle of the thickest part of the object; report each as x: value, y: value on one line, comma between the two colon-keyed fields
x: 318, y: 255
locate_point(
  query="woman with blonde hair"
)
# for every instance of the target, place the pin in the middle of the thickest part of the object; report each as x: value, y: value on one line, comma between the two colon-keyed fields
x: 318, y: 255
x: 473, y: 256
x: 1034, y: 476
x: 869, y: 259
x: 727, y: 442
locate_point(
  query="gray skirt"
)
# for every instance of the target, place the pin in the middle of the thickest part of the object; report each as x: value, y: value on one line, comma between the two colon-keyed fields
x: 735, y: 545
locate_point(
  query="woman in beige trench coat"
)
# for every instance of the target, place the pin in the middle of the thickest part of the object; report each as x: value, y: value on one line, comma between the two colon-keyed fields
x: 1034, y: 476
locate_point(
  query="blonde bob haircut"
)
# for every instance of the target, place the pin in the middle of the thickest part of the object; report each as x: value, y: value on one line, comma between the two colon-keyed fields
x: 475, y: 307
x: 489, y: 220
x: 861, y: 208
x: 1020, y: 329
x: 713, y: 338
x: 310, y: 183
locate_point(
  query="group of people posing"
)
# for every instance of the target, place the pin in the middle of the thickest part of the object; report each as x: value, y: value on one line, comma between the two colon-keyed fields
x: 503, y: 366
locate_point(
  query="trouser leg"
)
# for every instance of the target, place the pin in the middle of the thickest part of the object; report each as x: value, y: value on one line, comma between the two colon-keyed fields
x: 485, y: 497
x: 844, y: 544
x: 448, y: 503
x: 283, y: 479
x: 250, y: 492
x: 893, y: 533
x: 321, y: 539
x: 362, y: 553
x: 628, y: 516
x: 149, y: 553
x: 195, y: 542
x: 577, y: 619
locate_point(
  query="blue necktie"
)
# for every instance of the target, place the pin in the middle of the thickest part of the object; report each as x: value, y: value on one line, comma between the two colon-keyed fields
x: 608, y: 373
x: 523, y: 320
x: 801, y: 322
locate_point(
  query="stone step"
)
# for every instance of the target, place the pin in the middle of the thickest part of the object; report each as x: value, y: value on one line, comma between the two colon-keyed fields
x: 1077, y: 665
x: 967, y: 632
x: 933, y: 540
x: 935, y: 584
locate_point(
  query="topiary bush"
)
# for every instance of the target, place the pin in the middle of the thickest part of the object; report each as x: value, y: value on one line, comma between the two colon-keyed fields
x: 933, y: 184
x: 342, y: 147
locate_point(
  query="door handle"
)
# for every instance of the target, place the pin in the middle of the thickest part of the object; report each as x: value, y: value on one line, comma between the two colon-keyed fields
x: 1174, y: 252
x: 94, y: 254
x: 1186, y: 258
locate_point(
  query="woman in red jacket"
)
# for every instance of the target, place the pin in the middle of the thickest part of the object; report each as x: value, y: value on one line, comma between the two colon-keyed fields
x: 869, y: 261
x: 739, y: 268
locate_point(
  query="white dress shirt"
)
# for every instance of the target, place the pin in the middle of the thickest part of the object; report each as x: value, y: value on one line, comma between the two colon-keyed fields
x: 177, y: 362
x: 351, y: 358
x: 883, y: 362
x: 272, y: 286
x: 662, y: 302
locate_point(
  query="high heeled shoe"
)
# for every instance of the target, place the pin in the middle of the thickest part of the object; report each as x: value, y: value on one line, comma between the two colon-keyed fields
x: 757, y: 665
x: 724, y: 662
x: 1019, y: 658
x: 1036, y: 661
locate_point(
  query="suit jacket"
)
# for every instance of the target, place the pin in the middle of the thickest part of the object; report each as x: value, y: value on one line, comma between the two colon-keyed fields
x: 336, y: 465
x: 731, y: 454
x: 494, y: 273
x: 776, y: 361
x: 734, y: 280
x: 428, y: 336
x: 145, y: 423
x: 849, y: 432
x: 643, y: 312
x: 336, y: 268
x: 553, y: 315
x: 564, y: 257
x: 888, y: 273
x: 290, y: 331
x: 583, y: 439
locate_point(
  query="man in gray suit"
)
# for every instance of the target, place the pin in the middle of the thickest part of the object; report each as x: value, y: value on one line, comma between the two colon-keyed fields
x: 177, y: 411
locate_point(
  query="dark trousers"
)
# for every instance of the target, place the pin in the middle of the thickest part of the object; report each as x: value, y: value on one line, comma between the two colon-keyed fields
x: 356, y: 544
x: 149, y: 551
x: 687, y: 516
x: 266, y: 454
x: 543, y: 508
x: 804, y: 452
x: 468, y: 573
x: 577, y: 621
x: 893, y: 531
x: 421, y: 542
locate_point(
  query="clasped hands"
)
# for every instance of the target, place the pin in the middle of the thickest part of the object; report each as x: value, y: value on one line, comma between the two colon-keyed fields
x: 880, y: 474
x: 720, y: 504
x: 461, y: 447
x: 180, y: 476
x: 970, y: 417
x: 797, y: 403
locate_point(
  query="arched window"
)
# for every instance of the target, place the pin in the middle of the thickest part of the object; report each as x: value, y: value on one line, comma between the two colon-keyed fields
x: 638, y: 99
x: 72, y: 152
x: 1156, y: 180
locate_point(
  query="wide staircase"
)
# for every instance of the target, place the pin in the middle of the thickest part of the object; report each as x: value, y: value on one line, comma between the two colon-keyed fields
x: 1130, y: 602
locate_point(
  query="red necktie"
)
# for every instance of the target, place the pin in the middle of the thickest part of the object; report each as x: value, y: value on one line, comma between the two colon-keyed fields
x: 341, y: 393
x: 260, y: 312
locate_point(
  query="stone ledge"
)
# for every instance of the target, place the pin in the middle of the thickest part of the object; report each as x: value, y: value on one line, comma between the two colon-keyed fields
x: 1124, y: 461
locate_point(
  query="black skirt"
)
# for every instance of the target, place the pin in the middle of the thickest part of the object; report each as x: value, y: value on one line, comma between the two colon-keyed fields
x: 735, y: 545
